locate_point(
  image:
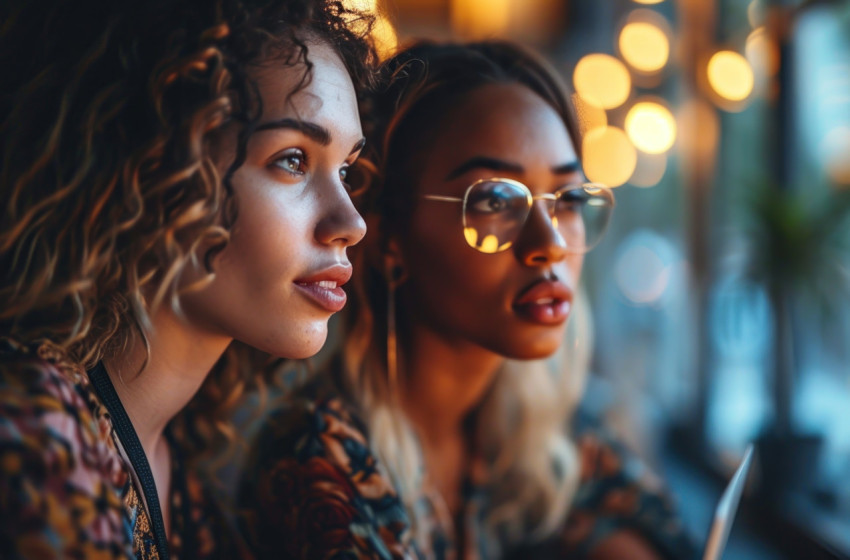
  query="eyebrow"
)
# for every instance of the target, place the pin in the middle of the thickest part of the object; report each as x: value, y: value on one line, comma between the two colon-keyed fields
x: 315, y: 132
x: 495, y: 164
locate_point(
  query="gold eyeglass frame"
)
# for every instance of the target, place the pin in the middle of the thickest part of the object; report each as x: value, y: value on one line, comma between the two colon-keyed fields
x: 530, y: 199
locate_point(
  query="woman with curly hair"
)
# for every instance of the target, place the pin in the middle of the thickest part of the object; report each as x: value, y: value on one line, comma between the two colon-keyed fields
x: 175, y: 217
x: 442, y: 430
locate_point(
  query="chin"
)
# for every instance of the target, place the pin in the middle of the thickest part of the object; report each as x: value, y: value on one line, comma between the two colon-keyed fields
x: 301, y: 344
x: 536, y: 348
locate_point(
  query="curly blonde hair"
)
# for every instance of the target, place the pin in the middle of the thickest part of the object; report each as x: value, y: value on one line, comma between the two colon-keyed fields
x: 108, y: 185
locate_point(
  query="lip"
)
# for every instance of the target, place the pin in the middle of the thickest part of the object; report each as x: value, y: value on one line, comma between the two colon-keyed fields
x: 317, y: 286
x: 546, y: 302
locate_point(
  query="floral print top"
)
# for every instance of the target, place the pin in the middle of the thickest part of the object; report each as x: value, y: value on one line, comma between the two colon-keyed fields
x: 314, y: 490
x: 66, y: 491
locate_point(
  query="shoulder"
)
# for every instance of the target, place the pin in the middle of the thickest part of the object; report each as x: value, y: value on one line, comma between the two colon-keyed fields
x: 313, y: 488
x: 59, y: 470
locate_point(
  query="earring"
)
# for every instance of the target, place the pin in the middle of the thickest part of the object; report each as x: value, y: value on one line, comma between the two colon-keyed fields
x: 394, y: 279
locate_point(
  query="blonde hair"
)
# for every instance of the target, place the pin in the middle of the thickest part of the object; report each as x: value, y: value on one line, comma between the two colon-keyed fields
x: 521, y: 427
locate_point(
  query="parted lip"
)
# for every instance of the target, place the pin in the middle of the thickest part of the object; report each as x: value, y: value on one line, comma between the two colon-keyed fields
x: 542, y: 289
x: 339, y: 273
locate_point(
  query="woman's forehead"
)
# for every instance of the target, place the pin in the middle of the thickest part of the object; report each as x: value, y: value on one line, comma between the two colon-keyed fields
x: 325, y: 94
x: 506, y: 121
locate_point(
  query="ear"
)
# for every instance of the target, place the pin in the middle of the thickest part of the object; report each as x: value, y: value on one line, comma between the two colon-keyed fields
x: 384, y: 255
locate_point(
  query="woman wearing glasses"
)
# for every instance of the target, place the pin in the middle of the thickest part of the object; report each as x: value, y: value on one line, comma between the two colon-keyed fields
x: 175, y: 211
x: 441, y: 432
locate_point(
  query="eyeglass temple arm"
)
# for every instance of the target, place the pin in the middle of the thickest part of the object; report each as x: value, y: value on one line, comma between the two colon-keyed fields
x: 441, y: 198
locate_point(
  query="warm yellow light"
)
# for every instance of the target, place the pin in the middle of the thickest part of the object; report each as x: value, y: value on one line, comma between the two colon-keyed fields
x: 471, y: 235
x: 603, y: 80
x: 369, y: 6
x: 490, y: 244
x: 644, y: 46
x: 480, y: 18
x: 762, y: 52
x: 386, y: 40
x: 649, y: 170
x: 383, y: 32
x: 609, y: 157
x: 590, y: 115
x: 651, y: 127
x: 649, y: 1
x: 730, y: 75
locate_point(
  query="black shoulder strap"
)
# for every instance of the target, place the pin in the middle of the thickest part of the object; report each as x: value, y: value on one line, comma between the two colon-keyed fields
x: 103, y: 386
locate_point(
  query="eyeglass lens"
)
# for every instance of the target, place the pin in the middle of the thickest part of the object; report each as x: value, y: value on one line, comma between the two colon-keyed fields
x: 495, y: 213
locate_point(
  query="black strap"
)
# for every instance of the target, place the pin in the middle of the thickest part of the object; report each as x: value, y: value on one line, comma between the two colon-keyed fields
x: 127, y: 434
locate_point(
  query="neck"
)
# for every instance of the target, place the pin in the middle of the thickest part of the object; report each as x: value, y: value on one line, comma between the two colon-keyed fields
x: 153, y: 393
x: 443, y: 381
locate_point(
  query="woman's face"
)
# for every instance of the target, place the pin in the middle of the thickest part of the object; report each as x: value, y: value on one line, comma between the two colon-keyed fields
x: 514, y: 303
x: 278, y: 280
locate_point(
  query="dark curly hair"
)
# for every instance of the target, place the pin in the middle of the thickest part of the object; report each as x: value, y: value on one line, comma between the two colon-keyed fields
x: 108, y: 185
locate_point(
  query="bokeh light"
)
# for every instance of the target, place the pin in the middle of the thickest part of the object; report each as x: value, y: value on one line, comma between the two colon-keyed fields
x: 478, y: 19
x: 384, y: 34
x: 650, y: 169
x: 609, y: 156
x: 369, y: 6
x: 651, y: 127
x: 762, y: 52
x: 590, y: 115
x: 643, y: 267
x: 835, y: 150
x: 649, y: 1
x: 730, y: 75
x: 644, y: 46
x: 603, y: 80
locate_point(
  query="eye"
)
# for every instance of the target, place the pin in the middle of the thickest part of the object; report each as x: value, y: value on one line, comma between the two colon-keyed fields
x: 343, y: 174
x: 571, y: 199
x: 292, y: 161
x: 489, y: 203
x: 492, y: 197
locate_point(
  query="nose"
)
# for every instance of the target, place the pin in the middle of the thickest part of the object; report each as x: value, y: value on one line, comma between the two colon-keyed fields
x: 540, y: 243
x: 340, y: 223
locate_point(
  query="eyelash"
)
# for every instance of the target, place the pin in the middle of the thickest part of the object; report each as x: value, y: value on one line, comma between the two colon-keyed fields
x: 297, y: 154
x: 292, y: 155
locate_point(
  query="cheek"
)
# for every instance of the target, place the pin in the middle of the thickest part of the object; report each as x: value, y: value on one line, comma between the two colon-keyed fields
x: 269, y: 229
x: 452, y: 281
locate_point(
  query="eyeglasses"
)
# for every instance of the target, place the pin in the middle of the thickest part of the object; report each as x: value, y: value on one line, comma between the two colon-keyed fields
x: 495, y: 211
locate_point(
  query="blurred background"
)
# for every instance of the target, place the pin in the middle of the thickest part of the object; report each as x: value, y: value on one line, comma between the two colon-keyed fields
x: 721, y: 294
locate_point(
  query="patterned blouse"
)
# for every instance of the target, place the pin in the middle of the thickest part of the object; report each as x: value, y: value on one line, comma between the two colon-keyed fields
x: 66, y: 491
x: 314, y: 490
